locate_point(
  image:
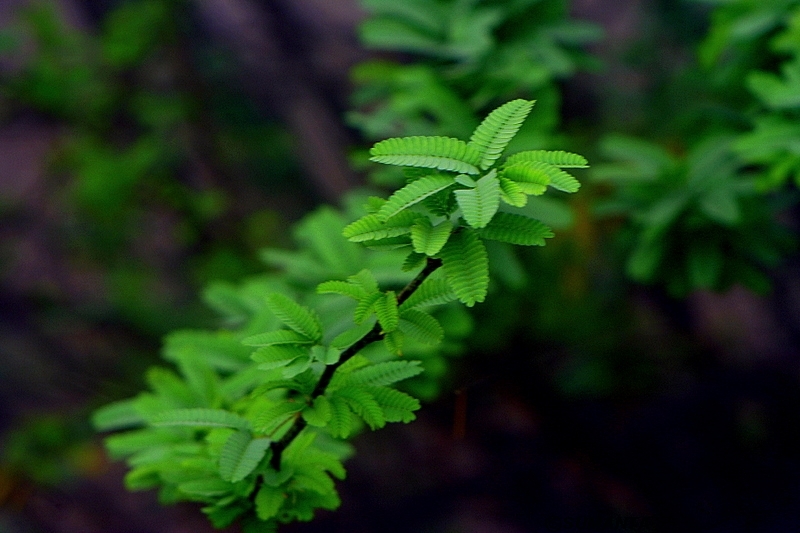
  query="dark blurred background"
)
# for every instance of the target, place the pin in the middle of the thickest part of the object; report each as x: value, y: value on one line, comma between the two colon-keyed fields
x: 150, y: 147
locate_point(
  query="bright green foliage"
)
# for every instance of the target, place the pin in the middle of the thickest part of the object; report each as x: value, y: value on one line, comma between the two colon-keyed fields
x: 466, y: 267
x: 311, y: 356
x: 443, y: 153
x: 297, y: 317
x: 479, y: 204
x: 411, y: 194
x: 477, y: 201
x: 516, y: 229
x: 496, y: 131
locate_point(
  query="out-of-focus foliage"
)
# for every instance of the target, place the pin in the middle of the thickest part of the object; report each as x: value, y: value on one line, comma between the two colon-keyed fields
x: 695, y: 221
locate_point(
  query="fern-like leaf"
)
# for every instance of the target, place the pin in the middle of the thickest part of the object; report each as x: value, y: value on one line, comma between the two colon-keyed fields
x: 558, y: 179
x: 268, y: 502
x: 318, y: 414
x: 386, y: 311
x: 279, y: 355
x: 342, y: 420
x: 529, y: 176
x: 240, y: 455
x: 413, y: 261
x: 373, y: 227
x: 493, y: 134
x: 511, y: 193
x: 200, y: 417
x: 364, y: 405
x: 413, y: 193
x: 397, y: 406
x: 466, y: 267
x: 441, y: 153
x: 277, y: 416
x: 344, y: 288
x: 517, y: 229
x: 421, y: 326
x: 480, y: 204
x: 432, y: 292
x: 281, y: 336
x: 393, y: 342
x: 385, y: 373
x: 557, y: 158
x: 365, y: 307
x: 428, y: 239
x: 299, y: 318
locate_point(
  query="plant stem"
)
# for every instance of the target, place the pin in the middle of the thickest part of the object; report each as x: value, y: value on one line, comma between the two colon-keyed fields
x: 373, y: 335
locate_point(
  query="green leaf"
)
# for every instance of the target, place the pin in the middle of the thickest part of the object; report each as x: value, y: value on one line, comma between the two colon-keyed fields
x: 349, y: 336
x: 397, y: 406
x: 364, y: 405
x: 342, y: 420
x: 512, y: 193
x: 393, y: 341
x: 374, y: 227
x: 365, y: 307
x: 493, y: 134
x: 276, y: 417
x: 441, y: 153
x: 279, y: 355
x: 200, y: 417
x: 269, y: 501
x: 428, y: 239
x: 432, y: 291
x: 421, y: 326
x: 527, y: 176
x: 205, y: 487
x: 299, y: 318
x: 413, y: 193
x: 386, y: 311
x: 466, y: 267
x: 516, y: 229
x: 557, y: 158
x: 318, y: 414
x: 344, y: 288
x: 281, y: 336
x: 327, y: 355
x: 481, y: 203
x: 385, y: 373
x: 117, y: 415
x: 240, y: 455
x: 413, y: 261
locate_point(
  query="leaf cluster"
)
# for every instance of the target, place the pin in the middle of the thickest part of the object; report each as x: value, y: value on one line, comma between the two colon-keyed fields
x: 251, y: 421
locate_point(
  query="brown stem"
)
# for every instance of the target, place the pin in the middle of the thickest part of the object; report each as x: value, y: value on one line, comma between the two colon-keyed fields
x: 373, y: 335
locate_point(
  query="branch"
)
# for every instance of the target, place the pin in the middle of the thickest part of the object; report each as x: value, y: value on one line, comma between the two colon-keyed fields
x: 374, y: 335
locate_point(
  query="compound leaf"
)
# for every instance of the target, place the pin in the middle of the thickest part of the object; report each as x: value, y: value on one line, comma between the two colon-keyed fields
x: 428, y: 239
x: 557, y: 158
x: 466, y: 267
x: 299, y: 318
x: 385, y: 373
x: 441, y: 153
x: 493, y: 134
x: 480, y: 204
x: 421, y: 326
x: 281, y: 336
x: 432, y: 291
x: 386, y: 311
x: 240, y: 455
x: 414, y: 192
x: 397, y: 406
x: 200, y: 417
x: 516, y: 229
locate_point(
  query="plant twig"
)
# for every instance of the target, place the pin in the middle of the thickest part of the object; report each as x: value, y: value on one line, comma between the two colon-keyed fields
x: 373, y: 335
